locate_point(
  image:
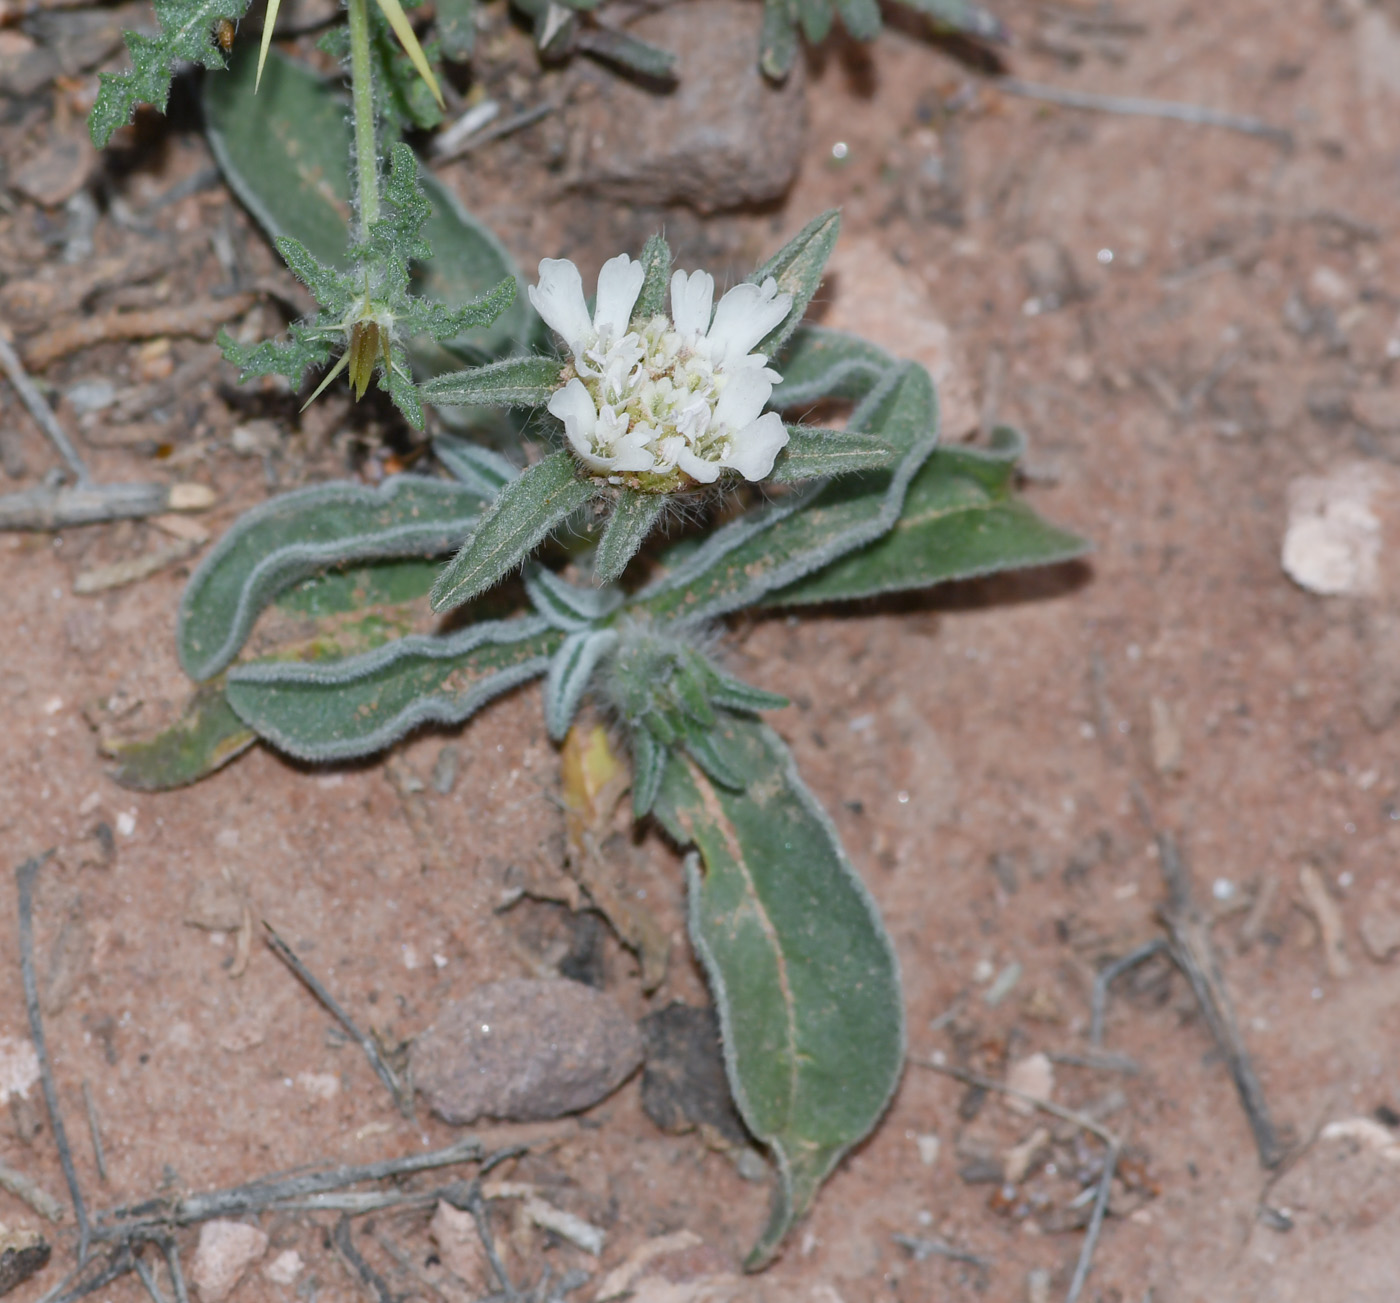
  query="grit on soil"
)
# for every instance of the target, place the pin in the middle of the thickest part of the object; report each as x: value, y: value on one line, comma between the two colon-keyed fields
x: 1182, y: 318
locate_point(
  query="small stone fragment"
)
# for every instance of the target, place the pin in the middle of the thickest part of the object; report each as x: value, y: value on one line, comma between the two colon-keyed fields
x: 723, y: 136
x: 459, y: 1245
x: 24, y: 67
x: 225, y: 1251
x: 19, y: 1066
x: 1366, y: 1133
x: 1380, y: 927
x: 1166, y: 739
x: 22, y: 1254
x: 524, y: 1050
x: 1033, y: 1076
x: 930, y: 1146
x: 57, y: 172
x: 1333, y: 542
x: 284, y: 1268
x: 1019, y: 1159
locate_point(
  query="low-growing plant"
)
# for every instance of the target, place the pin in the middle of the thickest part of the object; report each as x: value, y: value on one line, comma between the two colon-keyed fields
x: 651, y: 488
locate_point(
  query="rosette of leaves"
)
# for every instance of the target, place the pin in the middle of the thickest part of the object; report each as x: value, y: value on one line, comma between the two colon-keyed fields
x: 802, y: 970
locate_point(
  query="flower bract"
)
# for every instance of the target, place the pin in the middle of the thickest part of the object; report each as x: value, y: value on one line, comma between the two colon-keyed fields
x: 658, y: 403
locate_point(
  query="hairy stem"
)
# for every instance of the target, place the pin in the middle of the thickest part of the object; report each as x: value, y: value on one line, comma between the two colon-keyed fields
x: 362, y: 94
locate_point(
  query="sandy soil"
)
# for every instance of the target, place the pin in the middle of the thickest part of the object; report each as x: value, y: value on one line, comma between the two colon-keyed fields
x: 1184, y: 319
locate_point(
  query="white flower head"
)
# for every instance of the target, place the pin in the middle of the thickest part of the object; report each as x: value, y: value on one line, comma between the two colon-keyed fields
x: 661, y: 402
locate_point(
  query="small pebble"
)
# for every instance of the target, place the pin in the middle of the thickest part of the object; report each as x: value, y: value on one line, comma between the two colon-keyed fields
x: 225, y: 1251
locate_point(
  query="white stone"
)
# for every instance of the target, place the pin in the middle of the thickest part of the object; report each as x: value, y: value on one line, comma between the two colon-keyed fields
x: 225, y: 1251
x: 1333, y: 542
x: 1033, y: 1076
x: 284, y: 1268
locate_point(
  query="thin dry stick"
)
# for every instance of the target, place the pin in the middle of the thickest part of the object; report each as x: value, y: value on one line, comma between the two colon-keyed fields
x: 25, y: 875
x: 33, y: 1194
x: 397, y: 1088
x: 475, y: 1205
x: 1195, y: 114
x: 96, y: 1135
x: 149, y: 1281
x: 1110, y: 1164
x: 360, y: 1271
x: 177, y: 1276
x: 920, y: 1246
x: 42, y: 412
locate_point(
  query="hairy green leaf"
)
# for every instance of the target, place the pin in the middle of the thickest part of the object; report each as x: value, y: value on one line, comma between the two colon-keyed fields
x: 205, y: 737
x: 285, y: 153
x: 803, y: 973
x: 569, y: 674
x: 515, y: 382
x: 288, y: 538
x: 632, y: 519
x: 774, y: 547
x: 565, y: 605
x: 656, y: 259
x: 518, y: 519
x: 480, y: 469
x: 959, y: 521
x: 798, y: 268
x: 649, y: 759
x: 813, y: 454
x: 456, y: 28
x: 352, y: 588
x: 360, y: 705
x: 819, y: 363
x: 186, y: 36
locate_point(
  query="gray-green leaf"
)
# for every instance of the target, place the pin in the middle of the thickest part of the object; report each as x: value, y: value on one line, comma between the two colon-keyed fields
x: 518, y: 519
x: 516, y: 382
x: 288, y: 538
x: 565, y: 605
x: 569, y: 674
x: 819, y: 363
x: 798, y: 268
x: 769, y: 549
x: 814, y: 454
x: 633, y: 518
x: 479, y: 469
x: 803, y: 972
x: 959, y: 521
x: 359, y: 705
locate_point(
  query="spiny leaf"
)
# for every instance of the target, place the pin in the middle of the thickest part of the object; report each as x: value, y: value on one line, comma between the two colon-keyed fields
x: 518, y: 519
x: 360, y: 705
x: 185, y: 36
x: 282, y: 541
x: 959, y: 521
x: 516, y: 382
x: 206, y: 736
x: 803, y: 973
x: 569, y: 673
x: 798, y: 268
x: 820, y: 363
x: 632, y: 519
x: 813, y: 454
x: 772, y: 548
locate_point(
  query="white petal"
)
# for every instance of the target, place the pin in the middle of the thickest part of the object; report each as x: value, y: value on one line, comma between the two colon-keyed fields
x: 744, y: 316
x: 757, y: 446
x: 558, y: 298
x: 706, y: 472
x: 573, y: 405
x: 692, y: 299
x: 743, y: 398
x: 630, y: 453
x: 619, y: 283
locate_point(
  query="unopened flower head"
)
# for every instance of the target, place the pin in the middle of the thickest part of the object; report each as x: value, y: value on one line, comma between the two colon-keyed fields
x: 662, y: 402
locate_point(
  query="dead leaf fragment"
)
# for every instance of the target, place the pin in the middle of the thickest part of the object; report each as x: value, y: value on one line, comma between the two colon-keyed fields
x: 459, y: 1245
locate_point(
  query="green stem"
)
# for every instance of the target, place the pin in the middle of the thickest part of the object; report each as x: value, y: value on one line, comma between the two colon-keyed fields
x: 362, y: 95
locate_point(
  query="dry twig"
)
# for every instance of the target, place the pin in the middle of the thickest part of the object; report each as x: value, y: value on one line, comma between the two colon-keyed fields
x: 42, y: 413
x: 34, y: 1195
x: 200, y: 319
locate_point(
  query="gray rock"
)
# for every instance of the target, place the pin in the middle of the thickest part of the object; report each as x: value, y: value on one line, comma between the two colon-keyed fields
x: 723, y: 136
x: 524, y: 1051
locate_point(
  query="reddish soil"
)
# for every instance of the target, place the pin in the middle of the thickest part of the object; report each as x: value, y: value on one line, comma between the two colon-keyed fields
x: 1180, y: 317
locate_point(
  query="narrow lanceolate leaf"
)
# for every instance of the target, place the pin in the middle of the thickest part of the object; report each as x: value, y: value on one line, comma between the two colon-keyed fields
x: 649, y: 759
x: 860, y: 17
x: 516, y: 382
x: 819, y: 363
x: 963, y: 17
x: 814, y: 454
x: 798, y: 268
x: 778, y: 40
x: 627, y: 52
x: 631, y: 521
x: 283, y: 152
x: 565, y: 605
x: 474, y: 467
x: 285, y: 540
x: 742, y: 562
x: 804, y: 976
x: 570, y: 671
x: 817, y: 17
x: 656, y: 260
x: 959, y: 521
x: 186, y: 36
x: 360, y: 705
x: 205, y: 737
x: 518, y: 519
